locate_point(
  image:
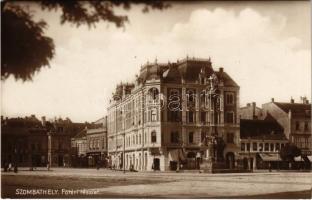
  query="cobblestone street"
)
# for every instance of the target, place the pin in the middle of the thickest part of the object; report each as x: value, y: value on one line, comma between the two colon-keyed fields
x: 107, y: 183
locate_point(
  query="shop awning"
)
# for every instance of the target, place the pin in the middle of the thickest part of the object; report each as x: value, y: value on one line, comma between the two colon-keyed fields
x: 298, y: 159
x: 176, y: 154
x: 310, y: 158
x: 270, y: 157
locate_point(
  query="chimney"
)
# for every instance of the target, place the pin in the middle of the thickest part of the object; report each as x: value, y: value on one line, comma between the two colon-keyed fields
x: 248, y: 104
x: 43, y: 120
x: 253, y: 110
x: 272, y: 99
x: 221, y: 69
x: 304, y: 100
x: 292, y: 100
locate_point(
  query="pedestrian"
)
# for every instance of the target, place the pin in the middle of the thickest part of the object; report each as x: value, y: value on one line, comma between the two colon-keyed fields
x: 15, y: 168
x: 48, y: 166
x: 10, y: 167
x: 5, y: 167
x: 97, y: 165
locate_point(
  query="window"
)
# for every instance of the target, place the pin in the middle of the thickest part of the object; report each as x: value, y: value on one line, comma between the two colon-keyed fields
x: 203, y: 117
x: 175, y: 137
x: 306, y: 126
x: 190, y: 116
x: 153, y: 137
x: 153, y: 115
x: 153, y: 93
x: 297, y: 126
x: 230, y: 138
x: 248, y: 147
x: 266, y: 147
x: 277, y: 146
x: 140, y: 139
x: 242, y: 146
x: 271, y: 147
x: 202, y: 136
x: 282, y: 145
x: 229, y: 117
x: 174, y: 116
x: 260, y: 147
x: 229, y: 98
x: 190, y: 96
x: 254, y: 146
x: 191, y: 137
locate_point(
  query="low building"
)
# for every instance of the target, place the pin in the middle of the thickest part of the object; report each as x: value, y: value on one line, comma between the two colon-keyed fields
x: 96, y: 139
x: 295, y: 118
x: 261, y: 141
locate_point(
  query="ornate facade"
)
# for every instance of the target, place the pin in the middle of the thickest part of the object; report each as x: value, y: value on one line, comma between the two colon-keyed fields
x: 174, y: 116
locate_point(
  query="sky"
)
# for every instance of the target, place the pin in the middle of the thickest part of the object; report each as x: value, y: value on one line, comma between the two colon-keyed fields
x: 264, y: 46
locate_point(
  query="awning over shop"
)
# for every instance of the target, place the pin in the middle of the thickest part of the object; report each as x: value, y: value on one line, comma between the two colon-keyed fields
x: 176, y: 154
x: 298, y: 159
x: 270, y: 157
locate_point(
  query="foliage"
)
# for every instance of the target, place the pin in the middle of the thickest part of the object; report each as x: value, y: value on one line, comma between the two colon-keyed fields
x: 25, y: 47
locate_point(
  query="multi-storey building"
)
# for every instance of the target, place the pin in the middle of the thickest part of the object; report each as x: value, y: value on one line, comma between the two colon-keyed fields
x: 23, y: 142
x: 295, y: 118
x: 60, y: 131
x: 96, y: 137
x: 165, y: 119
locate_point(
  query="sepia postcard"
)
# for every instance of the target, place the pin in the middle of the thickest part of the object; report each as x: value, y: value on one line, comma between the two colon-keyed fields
x: 156, y: 99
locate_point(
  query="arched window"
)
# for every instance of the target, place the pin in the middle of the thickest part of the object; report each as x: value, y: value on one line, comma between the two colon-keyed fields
x: 153, y: 94
x: 153, y: 137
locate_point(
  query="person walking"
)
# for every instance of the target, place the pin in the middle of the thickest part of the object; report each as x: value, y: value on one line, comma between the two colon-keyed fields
x: 10, y: 167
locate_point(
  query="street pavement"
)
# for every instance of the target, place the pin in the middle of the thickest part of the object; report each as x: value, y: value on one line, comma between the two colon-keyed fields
x: 109, y: 183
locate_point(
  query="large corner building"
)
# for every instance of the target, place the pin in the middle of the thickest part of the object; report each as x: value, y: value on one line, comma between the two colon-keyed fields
x: 164, y: 120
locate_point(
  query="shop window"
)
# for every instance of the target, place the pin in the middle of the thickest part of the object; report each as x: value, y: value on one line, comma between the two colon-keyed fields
x: 271, y: 147
x: 266, y: 147
x: 277, y: 146
x: 248, y: 146
x: 260, y: 147
x: 254, y: 146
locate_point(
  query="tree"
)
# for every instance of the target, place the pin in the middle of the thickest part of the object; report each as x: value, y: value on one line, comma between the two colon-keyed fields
x: 289, y: 152
x: 25, y: 47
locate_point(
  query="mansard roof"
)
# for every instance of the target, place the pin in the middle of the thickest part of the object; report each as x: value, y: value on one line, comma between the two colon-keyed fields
x: 191, y: 68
